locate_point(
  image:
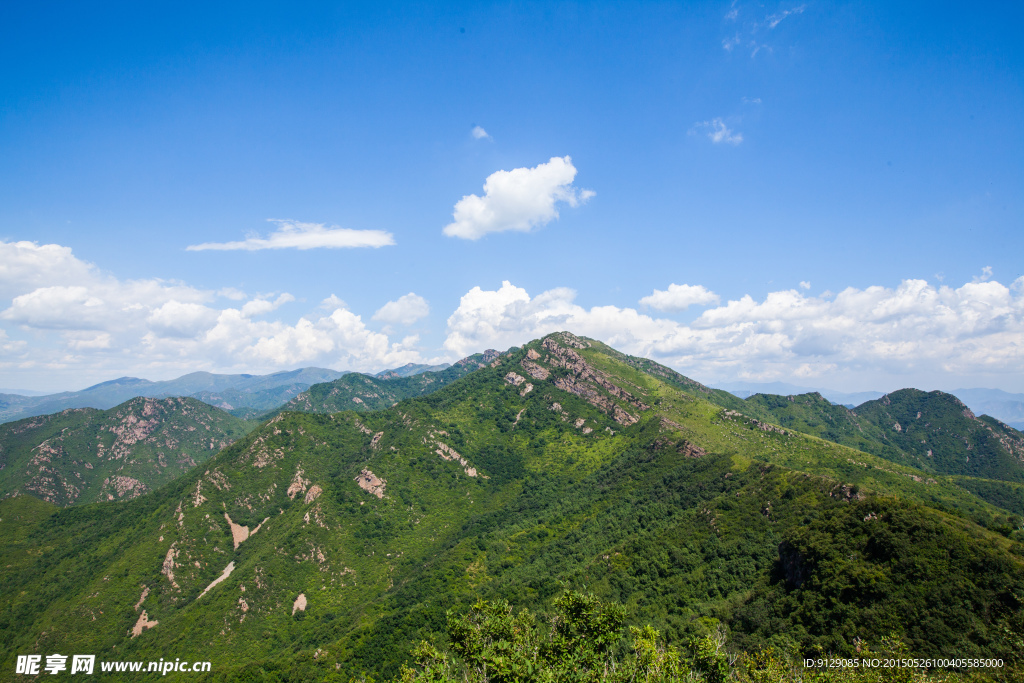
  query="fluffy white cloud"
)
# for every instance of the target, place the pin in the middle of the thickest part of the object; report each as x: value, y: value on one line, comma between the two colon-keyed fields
x: 520, y: 199
x: 177, y: 319
x: 915, y: 333
x: 680, y: 297
x: 296, y: 235
x: 479, y: 133
x: 261, y: 306
x: 102, y: 327
x: 26, y: 266
x: 405, y: 311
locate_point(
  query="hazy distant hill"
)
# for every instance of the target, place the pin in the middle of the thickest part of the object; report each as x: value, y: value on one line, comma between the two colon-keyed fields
x: 1003, y: 406
x: 258, y: 392
x: 747, y: 389
x: 999, y: 404
x: 85, y: 455
x: 324, y: 546
x: 360, y: 392
x: 245, y: 396
x: 410, y: 369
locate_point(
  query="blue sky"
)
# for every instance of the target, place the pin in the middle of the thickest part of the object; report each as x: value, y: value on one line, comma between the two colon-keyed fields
x: 822, y: 193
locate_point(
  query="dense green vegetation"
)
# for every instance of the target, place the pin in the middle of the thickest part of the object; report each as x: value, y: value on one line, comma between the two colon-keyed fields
x: 934, y: 431
x: 559, y: 464
x: 86, y: 455
x: 583, y: 641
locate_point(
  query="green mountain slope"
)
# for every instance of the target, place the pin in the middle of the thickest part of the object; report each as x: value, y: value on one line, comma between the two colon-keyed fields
x: 87, y: 455
x: 932, y: 431
x: 943, y: 435
x: 343, y: 538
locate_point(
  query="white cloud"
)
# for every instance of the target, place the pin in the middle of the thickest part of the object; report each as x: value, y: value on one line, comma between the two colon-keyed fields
x: 26, y: 266
x: 804, y: 284
x: 774, y: 20
x: 986, y: 275
x: 479, y: 133
x: 231, y: 293
x: 296, y: 235
x: 101, y: 327
x: 332, y: 302
x: 177, y: 319
x: 520, y: 199
x: 729, y: 43
x: 260, y: 306
x: 405, y: 311
x: 680, y: 297
x: 718, y: 132
x: 911, y: 334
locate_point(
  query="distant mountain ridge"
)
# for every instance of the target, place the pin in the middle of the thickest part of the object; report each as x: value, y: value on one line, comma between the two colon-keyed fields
x: 250, y: 392
x: 242, y: 395
x: 1002, y: 405
x: 410, y: 369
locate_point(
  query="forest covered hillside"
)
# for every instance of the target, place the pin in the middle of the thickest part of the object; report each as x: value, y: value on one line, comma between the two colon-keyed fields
x: 330, y: 544
x: 86, y: 455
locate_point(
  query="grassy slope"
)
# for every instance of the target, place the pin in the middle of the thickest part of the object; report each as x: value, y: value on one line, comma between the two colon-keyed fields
x: 626, y: 510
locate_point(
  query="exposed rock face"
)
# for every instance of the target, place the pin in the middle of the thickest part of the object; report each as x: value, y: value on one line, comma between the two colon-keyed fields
x: 298, y: 485
x: 168, y: 566
x: 536, y: 371
x: 313, y: 493
x: 514, y: 379
x: 449, y: 453
x: 142, y: 598
x: 223, y: 575
x: 585, y: 381
x: 300, y: 603
x: 369, y: 482
x: 142, y: 624
x: 518, y: 380
x: 238, y: 532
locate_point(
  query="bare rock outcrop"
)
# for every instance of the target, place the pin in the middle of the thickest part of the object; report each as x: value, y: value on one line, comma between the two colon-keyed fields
x: 223, y: 575
x: 449, y: 453
x: 168, y: 566
x: 141, y: 625
x: 369, y: 482
x: 313, y: 493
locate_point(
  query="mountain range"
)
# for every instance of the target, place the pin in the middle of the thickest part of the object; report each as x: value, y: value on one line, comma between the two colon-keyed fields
x: 324, y: 545
x: 1002, y: 405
